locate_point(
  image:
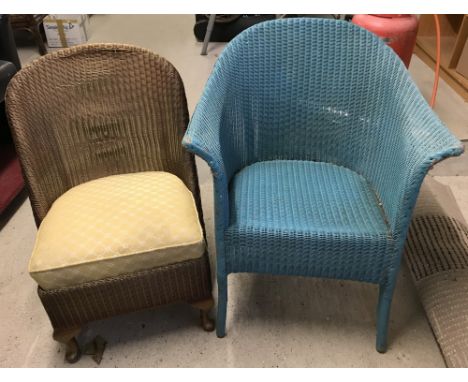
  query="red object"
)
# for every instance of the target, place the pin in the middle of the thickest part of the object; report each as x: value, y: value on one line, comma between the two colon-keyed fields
x: 11, y: 179
x: 398, y: 31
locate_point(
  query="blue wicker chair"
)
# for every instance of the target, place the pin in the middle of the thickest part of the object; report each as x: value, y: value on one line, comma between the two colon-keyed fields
x: 318, y: 141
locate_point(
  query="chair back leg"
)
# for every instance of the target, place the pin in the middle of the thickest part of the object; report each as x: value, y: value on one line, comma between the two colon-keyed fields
x: 222, y: 305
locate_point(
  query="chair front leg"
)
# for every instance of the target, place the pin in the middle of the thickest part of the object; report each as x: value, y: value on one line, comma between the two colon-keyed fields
x: 383, y: 313
x: 68, y: 337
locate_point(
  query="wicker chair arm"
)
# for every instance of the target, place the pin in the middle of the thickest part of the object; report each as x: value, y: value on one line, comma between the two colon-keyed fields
x: 418, y: 140
x: 203, y: 138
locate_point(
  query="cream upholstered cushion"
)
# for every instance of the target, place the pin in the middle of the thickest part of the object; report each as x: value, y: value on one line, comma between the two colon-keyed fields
x: 116, y: 225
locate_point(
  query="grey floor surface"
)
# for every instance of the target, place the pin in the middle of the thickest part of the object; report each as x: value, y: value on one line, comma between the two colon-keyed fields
x: 272, y: 321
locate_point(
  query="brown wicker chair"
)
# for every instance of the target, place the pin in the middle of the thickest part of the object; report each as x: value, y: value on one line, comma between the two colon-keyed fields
x: 93, y: 111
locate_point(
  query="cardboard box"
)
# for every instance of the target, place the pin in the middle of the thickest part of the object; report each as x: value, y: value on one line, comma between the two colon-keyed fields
x: 65, y: 30
x: 462, y: 66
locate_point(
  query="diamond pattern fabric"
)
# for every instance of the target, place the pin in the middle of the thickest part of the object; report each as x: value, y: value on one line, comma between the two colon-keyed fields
x: 116, y: 225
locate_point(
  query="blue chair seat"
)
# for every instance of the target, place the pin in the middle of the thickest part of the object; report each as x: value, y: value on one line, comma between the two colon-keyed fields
x: 306, y: 218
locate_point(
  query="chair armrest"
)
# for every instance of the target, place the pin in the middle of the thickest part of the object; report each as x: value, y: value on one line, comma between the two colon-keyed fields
x: 204, y: 138
x: 418, y: 141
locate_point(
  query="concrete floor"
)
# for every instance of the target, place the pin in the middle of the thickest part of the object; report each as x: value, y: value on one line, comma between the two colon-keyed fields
x: 272, y: 321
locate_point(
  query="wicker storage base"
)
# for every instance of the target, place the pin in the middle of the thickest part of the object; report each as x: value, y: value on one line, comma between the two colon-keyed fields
x: 75, y: 306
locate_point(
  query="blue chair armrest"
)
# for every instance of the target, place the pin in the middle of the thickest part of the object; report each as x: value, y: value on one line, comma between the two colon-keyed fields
x: 418, y: 140
x: 203, y: 138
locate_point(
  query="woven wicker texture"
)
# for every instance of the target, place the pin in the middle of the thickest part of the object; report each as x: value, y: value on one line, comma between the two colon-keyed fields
x: 324, y: 91
x: 97, y: 110
x: 187, y: 281
x: 286, y: 207
x: 436, y: 244
x: 437, y: 254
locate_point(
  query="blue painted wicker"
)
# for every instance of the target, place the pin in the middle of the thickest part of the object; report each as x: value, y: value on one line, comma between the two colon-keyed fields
x: 318, y: 141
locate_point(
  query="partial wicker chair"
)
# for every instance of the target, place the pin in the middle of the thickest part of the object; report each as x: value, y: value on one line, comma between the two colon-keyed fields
x: 98, y: 129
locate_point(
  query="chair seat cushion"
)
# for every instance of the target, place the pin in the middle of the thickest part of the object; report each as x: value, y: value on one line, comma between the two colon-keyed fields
x: 116, y: 225
x: 305, y: 218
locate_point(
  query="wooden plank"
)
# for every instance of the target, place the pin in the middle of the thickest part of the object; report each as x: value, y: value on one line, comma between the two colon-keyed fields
x: 445, y: 73
x: 459, y: 43
x: 447, y: 44
x: 454, y: 31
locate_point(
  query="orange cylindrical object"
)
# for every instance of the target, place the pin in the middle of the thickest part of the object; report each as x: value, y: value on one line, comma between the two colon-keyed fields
x: 437, y: 66
x: 398, y: 31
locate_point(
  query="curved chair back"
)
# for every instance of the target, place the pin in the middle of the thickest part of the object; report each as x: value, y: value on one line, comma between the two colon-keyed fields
x: 303, y: 88
x: 329, y: 91
x: 96, y: 110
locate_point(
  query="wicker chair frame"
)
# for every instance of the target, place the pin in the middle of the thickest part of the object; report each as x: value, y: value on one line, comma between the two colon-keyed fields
x: 92, y: 111
x: 310, y: 91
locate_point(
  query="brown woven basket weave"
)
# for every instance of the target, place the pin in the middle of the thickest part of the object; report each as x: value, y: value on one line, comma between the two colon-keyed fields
x: 188, y: 281
x: 92, y: 111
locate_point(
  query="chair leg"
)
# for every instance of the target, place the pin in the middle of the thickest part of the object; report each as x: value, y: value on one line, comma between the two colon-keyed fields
x: 205, y: 307
x: 36, y: 32
x: 383, y: 315
x: 68, y: 337
x: 222, y: 306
